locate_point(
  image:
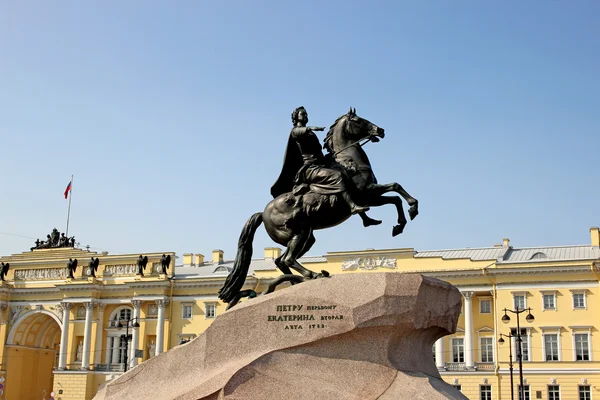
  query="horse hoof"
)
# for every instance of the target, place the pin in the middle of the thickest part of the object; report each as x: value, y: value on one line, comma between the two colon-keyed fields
x: 324, y: 273
x: 396, y: 230
x: 413, y: 212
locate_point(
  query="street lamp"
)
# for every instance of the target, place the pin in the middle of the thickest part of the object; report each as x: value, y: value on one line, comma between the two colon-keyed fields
x: 529, y: 318
x: 127, y: 337
x: 510, y: 363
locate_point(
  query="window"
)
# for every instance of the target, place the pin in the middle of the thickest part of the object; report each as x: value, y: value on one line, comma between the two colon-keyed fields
x: 485, y: 306
x: 458, y: 350
x: 582, y: 347
x: 116, y: 350
x: 551, y: 347
x: 184, y: 338
x: 487, y: 350
x: 524, y: 344
x: 519, y: 300
x: 485, y: 392
x: 553, y: 392
x: 186, y: 311
x: 585, y: 392
x: 525, y: 393
x: 121, y: 316
x: 459, y: 387
x: 210, y: 310
x: 549, y: 302
x: 579, y: 300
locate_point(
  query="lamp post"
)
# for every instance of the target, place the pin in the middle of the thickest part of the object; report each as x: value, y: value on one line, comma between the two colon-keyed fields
x: 529, y: 318
x: 127, y: 337
x: 510, y: 364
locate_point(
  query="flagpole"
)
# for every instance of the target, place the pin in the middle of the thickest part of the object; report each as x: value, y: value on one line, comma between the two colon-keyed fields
x: 69, y: 212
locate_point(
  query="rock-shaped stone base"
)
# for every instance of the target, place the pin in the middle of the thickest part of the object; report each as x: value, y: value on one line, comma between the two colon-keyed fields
x: 347, y: 337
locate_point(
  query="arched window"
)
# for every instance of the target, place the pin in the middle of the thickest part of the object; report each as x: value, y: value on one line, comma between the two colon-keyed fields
x: 539, y: 255
x: 121, y: 314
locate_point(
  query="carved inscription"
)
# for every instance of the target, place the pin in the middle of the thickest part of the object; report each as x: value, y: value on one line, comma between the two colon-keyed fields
x: 120, y: 270
x: 300, y: 316
x: 40, y: 273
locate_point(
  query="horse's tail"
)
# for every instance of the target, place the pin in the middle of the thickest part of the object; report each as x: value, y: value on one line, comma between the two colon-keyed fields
x: 236, y: 279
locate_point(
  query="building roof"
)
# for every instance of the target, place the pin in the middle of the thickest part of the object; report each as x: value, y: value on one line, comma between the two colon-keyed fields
x: 486, y: 253
x: 558, y: 253
x: 211, y: 269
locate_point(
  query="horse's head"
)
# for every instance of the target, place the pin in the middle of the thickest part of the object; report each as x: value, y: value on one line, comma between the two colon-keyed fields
x: 351, y: 128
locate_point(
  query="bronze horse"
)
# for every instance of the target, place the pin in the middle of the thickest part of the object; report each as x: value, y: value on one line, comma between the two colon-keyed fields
x: 291, y: 220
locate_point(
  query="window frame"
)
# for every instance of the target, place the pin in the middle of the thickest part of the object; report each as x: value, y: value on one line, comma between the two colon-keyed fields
x: 481, y: 392
x: 548, y: 392
x: 513, y: 342
x: 527, y: 389
x: 463, y: 348
x: 191, y: 307
x: 183, y: 336
x: 583, y: 293
x: 546, y: 331
x: 208, y: 304
x: 589, y: 391
x: 549, y: 293
x: 491, y: 347
x: 485, y: 299
x: 587, y: 331
x: 519, y: 294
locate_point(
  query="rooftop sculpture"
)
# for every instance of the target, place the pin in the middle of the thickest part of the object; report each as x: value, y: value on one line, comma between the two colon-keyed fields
x: 54, y: 240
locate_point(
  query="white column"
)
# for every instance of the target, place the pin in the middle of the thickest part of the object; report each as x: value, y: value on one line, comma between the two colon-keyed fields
x: 160, y: 328
x: 439, y: 353
x: 87, y: 334
x: 135, y: 335
x: 99, y: 328
x: 64, y: 337
x: 468, y: 329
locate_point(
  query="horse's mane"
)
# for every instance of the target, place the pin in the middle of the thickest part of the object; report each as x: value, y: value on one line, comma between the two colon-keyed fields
x: 329, y: 137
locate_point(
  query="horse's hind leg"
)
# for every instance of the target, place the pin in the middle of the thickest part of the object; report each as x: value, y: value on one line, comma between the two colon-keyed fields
x: 284, y: 268
x: 297, y: 247
x: 307, y: 245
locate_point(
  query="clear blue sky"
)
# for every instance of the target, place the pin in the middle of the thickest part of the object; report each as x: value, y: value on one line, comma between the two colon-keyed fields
x: 173, y: 117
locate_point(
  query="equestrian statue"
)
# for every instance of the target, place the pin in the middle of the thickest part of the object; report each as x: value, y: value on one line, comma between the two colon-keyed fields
x: 316, y: 191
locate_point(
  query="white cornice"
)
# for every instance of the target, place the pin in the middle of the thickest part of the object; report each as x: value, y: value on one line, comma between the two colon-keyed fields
x: 554, y: 371
x: 547, y: 285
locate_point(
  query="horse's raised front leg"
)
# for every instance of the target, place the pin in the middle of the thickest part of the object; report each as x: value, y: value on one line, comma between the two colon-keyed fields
x: 380, y: 189
x: 377, y: 201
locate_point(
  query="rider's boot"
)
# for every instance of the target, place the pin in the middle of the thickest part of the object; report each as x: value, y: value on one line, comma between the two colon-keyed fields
x: 368, y: 221
x: 354, y: 208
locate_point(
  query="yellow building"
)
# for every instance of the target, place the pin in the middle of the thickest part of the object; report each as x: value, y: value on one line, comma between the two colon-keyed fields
x: 61, y: 336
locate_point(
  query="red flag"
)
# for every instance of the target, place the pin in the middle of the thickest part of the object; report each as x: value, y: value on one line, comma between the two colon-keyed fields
x: 67, y: 190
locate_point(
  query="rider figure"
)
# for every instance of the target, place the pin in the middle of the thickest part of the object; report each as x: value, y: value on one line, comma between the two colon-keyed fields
x: 304, y: 165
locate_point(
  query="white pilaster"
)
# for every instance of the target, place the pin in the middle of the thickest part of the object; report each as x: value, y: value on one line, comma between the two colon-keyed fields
x: 135, y: 335
x: 439, y: 353
x: 99, y: 328
x: 87, y: 334
x: 64, y: 337
x: 468, y: 329
x: 160, y: 329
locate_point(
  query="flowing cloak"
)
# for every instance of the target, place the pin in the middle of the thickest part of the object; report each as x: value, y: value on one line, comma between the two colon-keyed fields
x: 296, y: 171
x: 292, y: 162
